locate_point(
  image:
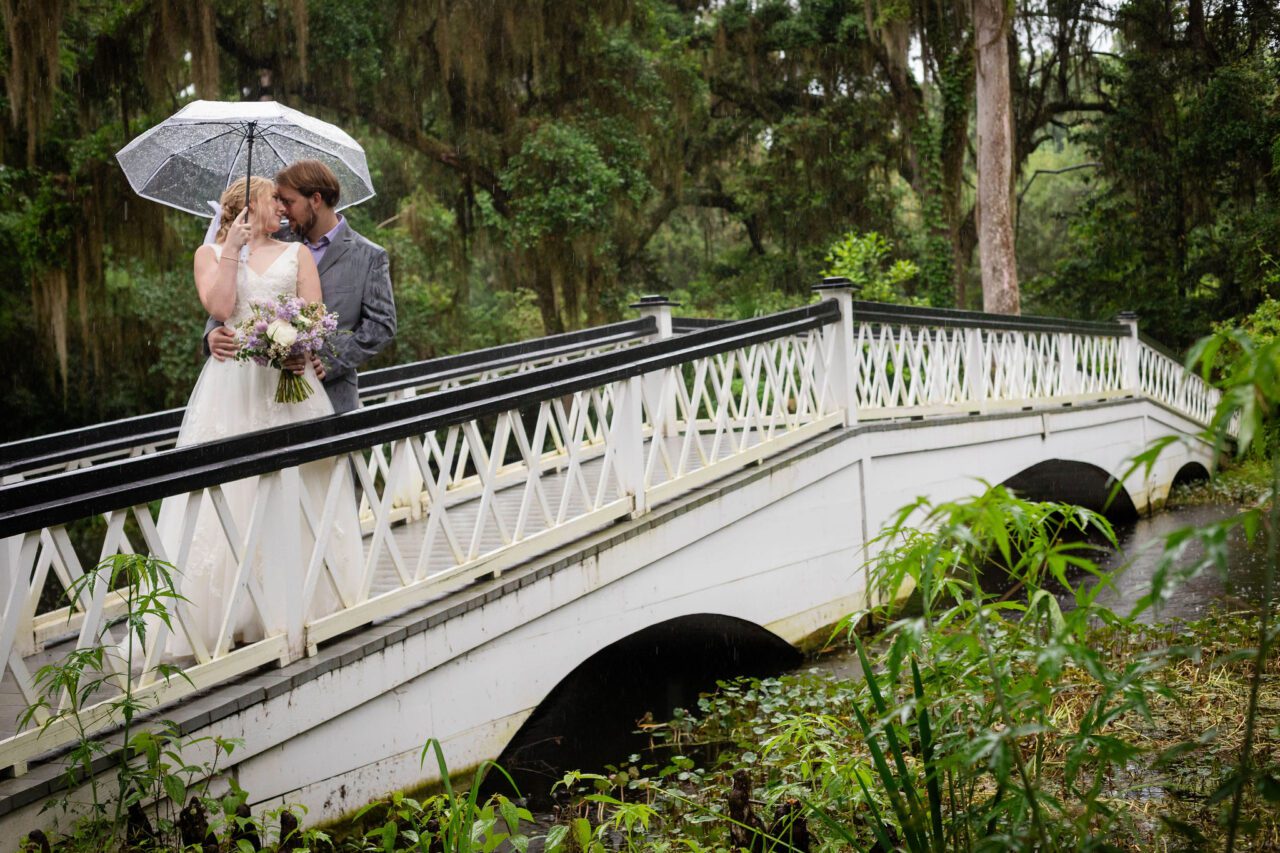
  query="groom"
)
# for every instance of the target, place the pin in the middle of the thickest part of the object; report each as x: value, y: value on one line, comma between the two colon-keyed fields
x: 354, y: 279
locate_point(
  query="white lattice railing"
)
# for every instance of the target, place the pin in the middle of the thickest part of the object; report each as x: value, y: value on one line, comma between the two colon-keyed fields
x: 910, y: 362
x: 538, y: 460
x: 1166, y: 380
x: 913, y: 362
x: 400, y: 503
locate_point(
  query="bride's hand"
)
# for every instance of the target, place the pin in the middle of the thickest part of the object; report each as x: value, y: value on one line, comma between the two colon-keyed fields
x: 238, y: 234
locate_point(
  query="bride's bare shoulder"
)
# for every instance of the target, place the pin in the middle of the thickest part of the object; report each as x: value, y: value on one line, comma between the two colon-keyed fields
x: 207, y: 250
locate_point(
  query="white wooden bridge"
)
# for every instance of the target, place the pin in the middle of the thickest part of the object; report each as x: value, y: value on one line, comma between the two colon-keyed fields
x: 526, y: 506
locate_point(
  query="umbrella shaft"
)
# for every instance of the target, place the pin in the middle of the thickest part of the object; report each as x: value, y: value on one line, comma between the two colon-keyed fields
x: 248, y: 175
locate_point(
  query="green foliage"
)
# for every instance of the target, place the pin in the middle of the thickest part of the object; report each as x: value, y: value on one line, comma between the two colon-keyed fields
x: 151, y: 773
x: 560, y: 185
x: 1262, y: 325
x: 168, y: 321
x: 861, y: 258
x: 539, y: 166
x: 1183, y: 223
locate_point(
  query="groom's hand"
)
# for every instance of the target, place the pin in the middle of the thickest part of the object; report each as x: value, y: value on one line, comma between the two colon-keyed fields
x: 222, y: 343
x: 298, y: 364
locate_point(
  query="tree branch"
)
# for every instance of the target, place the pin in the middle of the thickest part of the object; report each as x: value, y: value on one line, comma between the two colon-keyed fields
x: 1061, y: 171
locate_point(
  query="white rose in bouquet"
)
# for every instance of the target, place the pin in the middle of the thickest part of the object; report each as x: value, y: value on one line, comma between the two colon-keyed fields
x: 282, y: 333
x: 278, y: 330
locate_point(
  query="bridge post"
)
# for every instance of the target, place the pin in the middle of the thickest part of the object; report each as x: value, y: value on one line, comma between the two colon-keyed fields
x: 1070, y: 371
x: 841, y: 377
x: 15, y: 620
x: 976, y: 368
x: 282, y: 545
x: 19, y: 574
x: 656, y: 389
x: 409, y: 492
x: 1130, y: 347
x: 627, y: 434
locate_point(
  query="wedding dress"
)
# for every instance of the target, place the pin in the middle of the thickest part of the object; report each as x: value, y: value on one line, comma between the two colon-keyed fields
x: 231, y: 398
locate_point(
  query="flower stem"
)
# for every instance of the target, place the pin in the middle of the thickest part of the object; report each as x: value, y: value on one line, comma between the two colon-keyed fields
x: 292, y: 388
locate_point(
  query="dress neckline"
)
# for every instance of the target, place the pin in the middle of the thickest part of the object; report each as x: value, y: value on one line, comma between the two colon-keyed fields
x: 270, y: 266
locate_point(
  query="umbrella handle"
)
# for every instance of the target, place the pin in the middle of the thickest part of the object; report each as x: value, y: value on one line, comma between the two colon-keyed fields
x: 253, y: 126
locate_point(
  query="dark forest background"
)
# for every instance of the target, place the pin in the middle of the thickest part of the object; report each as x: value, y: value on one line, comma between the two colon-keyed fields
x: 539, y: 165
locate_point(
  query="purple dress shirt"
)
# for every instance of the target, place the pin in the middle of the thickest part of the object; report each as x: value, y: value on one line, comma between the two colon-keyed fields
x: 318, y: 247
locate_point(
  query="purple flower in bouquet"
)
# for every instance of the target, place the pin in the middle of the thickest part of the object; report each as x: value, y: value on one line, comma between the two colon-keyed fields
x: 289, y: 309
x: 278, y: 330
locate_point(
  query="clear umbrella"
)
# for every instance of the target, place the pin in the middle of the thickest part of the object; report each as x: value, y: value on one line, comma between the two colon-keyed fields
x: 187, y: 160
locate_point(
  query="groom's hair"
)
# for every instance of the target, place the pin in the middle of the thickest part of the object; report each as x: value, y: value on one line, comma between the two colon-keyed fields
x: 307, y: 177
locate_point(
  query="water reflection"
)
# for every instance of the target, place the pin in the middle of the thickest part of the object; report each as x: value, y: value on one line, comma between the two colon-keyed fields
x: 1140, y: 545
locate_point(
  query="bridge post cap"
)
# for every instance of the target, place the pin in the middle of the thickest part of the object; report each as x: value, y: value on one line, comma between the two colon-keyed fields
x: 1127, y: 316
x: 835, y: 282
x: 653, y: 300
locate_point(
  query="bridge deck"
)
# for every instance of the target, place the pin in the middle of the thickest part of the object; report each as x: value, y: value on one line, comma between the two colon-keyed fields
x: 409, y: 536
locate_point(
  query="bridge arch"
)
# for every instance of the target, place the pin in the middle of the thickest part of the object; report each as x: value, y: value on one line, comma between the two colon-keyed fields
x: 1080, y: 483
x: 1192, y: 472
x: 590, y: 717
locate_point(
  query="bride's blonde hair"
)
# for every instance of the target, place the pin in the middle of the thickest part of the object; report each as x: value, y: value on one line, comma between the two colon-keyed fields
x: 232, y: 201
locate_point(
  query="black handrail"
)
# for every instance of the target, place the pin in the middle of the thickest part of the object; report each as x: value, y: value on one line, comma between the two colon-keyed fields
x: 911, y: 315
x: 59, y: 498
x: 120, y: 436
x: 377, y: 383
x: 684, y: 325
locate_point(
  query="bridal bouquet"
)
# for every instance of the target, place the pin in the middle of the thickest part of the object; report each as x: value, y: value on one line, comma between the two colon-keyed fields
x: 279, y: 330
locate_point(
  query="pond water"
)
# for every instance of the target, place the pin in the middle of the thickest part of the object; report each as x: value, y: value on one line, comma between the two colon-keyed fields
x: 1140, y: 547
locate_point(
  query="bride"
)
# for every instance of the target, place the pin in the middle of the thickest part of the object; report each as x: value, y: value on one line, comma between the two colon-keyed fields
x: 234, y: 397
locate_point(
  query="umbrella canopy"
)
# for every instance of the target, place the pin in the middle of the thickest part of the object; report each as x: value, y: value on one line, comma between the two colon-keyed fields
x: 187, y: 160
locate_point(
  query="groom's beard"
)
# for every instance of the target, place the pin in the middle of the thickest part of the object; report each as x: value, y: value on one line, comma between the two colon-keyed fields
x: 303, y: 228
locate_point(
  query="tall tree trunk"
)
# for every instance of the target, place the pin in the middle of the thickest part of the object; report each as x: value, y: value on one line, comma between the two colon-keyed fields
x: 995, y: 159
x: 545, y: 289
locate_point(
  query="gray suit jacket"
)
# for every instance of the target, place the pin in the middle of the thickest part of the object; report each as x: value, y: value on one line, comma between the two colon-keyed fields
x: 355, y: 280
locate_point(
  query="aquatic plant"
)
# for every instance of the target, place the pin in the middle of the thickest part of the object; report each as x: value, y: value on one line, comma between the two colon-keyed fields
x: 150, y: 781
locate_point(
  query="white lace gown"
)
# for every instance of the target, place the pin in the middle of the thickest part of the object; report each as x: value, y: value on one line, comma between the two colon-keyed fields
x: 231, y: 398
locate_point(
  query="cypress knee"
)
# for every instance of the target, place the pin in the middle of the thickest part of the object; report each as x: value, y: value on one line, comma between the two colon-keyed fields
x: 290, y: 834
x: 790, y: 827
x: 245, y: 829
x: 193, y: 828
x: 37, y: 842
x: 746, y: 829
